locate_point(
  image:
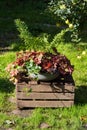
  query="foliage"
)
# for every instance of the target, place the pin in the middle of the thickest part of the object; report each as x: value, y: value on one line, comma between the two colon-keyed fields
x: 40, y: 42
x: 28, y: 41
x: 72, y: 12
x: 32, y: 67
x: 27, y: 63
x: 59, y: 38
x: 25, y: 35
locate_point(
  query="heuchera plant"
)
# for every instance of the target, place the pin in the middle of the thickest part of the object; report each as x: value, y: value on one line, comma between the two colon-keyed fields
x: 38, y: 62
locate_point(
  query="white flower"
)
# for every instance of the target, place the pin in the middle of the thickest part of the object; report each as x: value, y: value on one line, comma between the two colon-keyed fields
x: 78, y: 57
x: 62, y: 6
x: 67, y: 21
x: 71, y: 25
x: 83, y: 53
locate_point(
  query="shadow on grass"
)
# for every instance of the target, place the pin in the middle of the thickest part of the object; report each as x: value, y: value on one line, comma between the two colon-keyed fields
x: 81, y: 95
x: 6, y: 86
x: 32, y: 12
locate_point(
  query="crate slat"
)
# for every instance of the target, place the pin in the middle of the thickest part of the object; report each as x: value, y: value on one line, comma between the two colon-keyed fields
x: 46, y: 94
x: 52, y: 104
x: 45, y: 87
x: 64, y: 96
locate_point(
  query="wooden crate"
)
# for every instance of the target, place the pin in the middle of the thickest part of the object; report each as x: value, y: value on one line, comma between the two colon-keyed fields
x: 59, y: 93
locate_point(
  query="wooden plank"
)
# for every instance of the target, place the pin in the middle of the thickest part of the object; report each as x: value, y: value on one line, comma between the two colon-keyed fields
x: 46, y: 94
x: 52, y: 104
x: 32, y: 95
x: 46, y: 88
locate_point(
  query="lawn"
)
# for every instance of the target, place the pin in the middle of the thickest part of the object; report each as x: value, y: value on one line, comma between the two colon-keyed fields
x: 73, y: 118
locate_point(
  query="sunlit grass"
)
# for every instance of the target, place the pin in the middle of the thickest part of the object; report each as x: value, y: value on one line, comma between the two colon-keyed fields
x: 78, y: 58
x: 74, y: 118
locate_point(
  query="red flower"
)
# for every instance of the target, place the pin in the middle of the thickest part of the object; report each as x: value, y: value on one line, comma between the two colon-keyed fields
x: 46, y: 65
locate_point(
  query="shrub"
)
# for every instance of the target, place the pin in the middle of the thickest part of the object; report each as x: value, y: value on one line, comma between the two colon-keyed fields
x: 29, y: 41
x: 59, y: 38
x: 41, y: 42
x: 72, y: 12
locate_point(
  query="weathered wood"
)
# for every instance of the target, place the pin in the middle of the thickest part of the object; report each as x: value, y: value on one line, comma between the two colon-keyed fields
x: 22, y: 95
x: 45, y: 87
x: 59, y: 93
x: 52, y: 104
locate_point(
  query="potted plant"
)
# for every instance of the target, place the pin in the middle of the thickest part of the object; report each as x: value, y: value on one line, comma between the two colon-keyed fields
x: 36, y: 65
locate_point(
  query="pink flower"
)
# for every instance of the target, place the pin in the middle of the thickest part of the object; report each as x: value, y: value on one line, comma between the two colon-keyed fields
x: 8, y: 68
x: 14, y: 72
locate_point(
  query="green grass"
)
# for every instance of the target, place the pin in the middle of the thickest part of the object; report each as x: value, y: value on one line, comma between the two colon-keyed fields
x: 73, y: 52
x: 74, y: 118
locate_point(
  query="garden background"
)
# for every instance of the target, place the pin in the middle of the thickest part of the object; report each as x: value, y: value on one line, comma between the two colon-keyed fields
x: 33, y: 24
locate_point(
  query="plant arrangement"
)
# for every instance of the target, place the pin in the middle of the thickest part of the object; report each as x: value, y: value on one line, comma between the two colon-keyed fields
x: 36, y: 62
